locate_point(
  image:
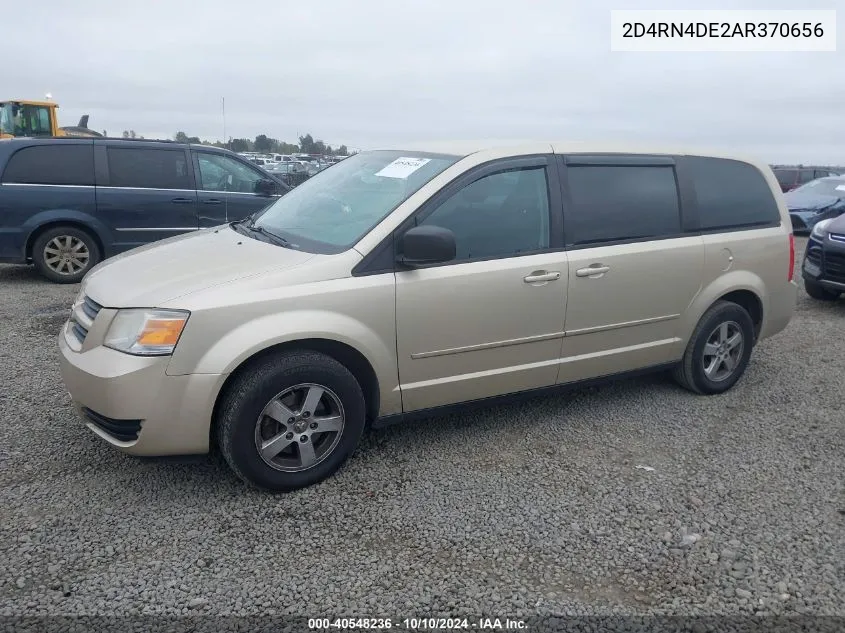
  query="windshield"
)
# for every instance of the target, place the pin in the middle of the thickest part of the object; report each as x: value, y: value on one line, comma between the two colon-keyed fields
x: 335, y: 208
x: 6, y: 118
x: 824, y: 187
x: 25, y: 120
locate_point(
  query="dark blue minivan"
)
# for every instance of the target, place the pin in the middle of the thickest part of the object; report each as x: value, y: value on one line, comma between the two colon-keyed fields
x: 67, y: 203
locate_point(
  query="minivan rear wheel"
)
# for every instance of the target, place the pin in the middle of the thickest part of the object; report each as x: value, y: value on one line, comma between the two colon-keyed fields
x: 718, y: 350
x: 819, y: 292
x: 290, y: 421
x: 64, y: 254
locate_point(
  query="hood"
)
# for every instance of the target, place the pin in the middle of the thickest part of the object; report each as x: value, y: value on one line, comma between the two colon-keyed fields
x: 152, y: 275
x: 800, y: 201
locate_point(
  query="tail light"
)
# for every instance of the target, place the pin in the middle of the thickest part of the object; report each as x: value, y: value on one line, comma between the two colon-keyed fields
x: 791, y: 256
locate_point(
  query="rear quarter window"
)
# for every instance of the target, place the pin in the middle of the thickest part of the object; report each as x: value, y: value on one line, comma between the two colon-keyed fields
x: 58, y: 164
x: 731, y: 194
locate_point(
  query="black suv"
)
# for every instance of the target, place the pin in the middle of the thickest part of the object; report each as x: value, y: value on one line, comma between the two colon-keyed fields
x: 823, y: 268
x: 67, y: 203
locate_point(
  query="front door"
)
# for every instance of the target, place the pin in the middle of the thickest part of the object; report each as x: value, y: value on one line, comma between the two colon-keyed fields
x: 489, y: 322
x: 227, y: 188
x: 632, y: 270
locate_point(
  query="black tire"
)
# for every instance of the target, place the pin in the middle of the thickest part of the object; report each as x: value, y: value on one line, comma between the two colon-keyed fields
x: 690, y: 372
x: 66, y: 234
x: 245, y: 400
x: 819, y: 292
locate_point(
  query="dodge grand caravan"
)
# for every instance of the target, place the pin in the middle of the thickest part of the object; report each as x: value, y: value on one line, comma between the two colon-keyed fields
x: 67, y: 203
x: 400, y: 283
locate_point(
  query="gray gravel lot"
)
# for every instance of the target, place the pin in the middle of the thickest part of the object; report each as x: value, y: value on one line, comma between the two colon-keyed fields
x: 525, y: 509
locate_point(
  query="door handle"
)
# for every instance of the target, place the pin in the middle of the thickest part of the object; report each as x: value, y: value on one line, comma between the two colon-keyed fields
x: 541, y: 276
x: 212, y: 201
x: 182, y: 200
x: 593, y: 270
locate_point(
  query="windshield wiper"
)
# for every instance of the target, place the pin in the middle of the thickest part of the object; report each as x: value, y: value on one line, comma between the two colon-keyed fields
x: 247, y: 221
x: 278, y: 239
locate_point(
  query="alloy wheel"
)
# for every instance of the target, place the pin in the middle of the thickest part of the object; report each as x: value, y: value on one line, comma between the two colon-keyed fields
x: 299, y: 427
x: 66, y: 255
x: 723, y: 351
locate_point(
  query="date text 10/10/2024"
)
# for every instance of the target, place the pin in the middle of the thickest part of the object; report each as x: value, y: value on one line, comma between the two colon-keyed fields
x: 412, y: 624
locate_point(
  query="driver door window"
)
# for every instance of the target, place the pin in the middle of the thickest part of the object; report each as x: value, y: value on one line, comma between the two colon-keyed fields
x: 222, y: 173
x: 500, y: 215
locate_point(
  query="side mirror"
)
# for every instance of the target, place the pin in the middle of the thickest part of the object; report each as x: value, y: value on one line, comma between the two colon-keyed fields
x: 265, y: 187
x: 426, y: 245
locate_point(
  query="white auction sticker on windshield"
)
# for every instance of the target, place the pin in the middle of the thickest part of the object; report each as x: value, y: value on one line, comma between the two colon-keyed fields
x: 840, y: 188
x: 402, y: 167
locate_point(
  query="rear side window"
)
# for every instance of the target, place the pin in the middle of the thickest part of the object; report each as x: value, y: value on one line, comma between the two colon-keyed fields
x: 57, y: 164
x: 148, y: 168
x: 731, y: 194
x: 614, y: 203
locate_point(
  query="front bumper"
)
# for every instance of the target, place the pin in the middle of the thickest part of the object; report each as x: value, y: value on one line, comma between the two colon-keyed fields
x: 133, y: 404
x: 804, y: 221
x: 824, y: 263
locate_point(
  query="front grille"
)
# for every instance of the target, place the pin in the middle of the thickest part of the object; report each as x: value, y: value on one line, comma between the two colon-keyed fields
x: 837, y: 237
x: 122, y: 430
x: 834, y: 266
x: 91, y: 308
x: 82, y: 318
x: 814, y: 254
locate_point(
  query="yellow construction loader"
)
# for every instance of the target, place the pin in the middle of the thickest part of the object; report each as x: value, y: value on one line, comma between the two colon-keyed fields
x: 20, y: 117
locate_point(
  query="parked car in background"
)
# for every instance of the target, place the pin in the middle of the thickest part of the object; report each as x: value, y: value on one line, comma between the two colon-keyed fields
x: 67, y: 203
x: 791, y: 177
x: 287, y: 168
x: 815, y: 201
x: 823, y: 268
x: 291, y: 173
x: 399, y: 283
x: 313, y: 167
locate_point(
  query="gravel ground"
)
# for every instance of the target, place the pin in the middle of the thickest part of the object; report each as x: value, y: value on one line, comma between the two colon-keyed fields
x: 521, y: 510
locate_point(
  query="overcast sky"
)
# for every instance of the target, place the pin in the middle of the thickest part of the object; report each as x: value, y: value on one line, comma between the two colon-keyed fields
x: 371, y: 73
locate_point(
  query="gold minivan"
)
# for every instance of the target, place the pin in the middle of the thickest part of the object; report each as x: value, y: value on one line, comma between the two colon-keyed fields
x: 399, y: 283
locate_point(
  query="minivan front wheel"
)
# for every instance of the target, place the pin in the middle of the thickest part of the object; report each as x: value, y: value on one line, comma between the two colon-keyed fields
x: 64, y: 254
x: 718, y: 350
x: 290, y: 421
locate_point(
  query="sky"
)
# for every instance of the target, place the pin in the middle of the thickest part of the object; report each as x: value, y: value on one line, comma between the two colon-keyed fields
x: 374, y: 73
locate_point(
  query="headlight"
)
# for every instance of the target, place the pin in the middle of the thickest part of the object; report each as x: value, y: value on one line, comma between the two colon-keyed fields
x: 146, y: 332
x: 820, y: 228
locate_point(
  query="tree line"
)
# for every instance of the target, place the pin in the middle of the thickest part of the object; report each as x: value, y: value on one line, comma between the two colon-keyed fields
x: 263, y: 144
